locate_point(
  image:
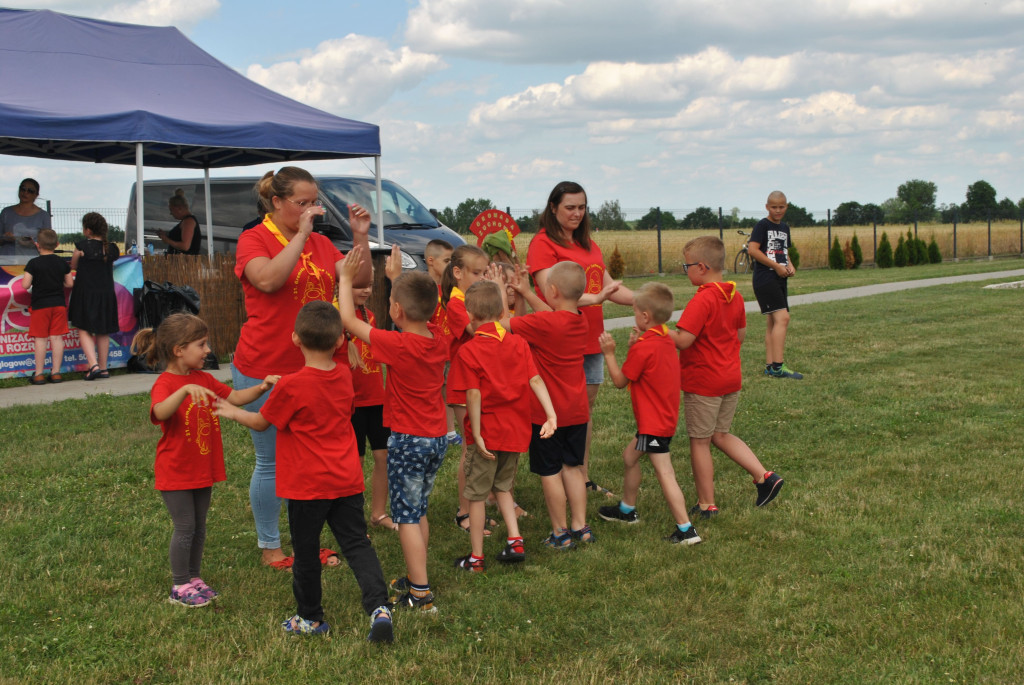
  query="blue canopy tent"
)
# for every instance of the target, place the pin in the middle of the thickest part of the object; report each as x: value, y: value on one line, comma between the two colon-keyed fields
x: 105, y: 92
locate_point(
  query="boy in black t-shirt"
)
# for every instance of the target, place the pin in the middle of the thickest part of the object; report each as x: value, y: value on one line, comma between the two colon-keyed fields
x: 47, y: 276
x: 769, y: 248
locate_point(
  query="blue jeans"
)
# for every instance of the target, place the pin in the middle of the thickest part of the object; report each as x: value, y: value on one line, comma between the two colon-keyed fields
x: 266, y: 505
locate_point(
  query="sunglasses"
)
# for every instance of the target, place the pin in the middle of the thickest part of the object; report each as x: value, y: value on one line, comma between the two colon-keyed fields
x: 31, y: 191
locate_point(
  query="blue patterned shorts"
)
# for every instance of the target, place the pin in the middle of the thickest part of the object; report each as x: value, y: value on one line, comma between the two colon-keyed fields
x: 412, y: 467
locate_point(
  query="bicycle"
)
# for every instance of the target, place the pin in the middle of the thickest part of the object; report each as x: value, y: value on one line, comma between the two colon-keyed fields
x: 741, y: 264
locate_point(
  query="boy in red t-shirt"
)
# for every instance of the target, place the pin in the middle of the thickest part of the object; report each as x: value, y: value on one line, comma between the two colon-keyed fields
x: 414, y: 409
x: 497, y: 373
x: 437, y: 254
x: 709, y: 335
x: 650, y: 372
x: 319, y: 471
x: 557, y: 333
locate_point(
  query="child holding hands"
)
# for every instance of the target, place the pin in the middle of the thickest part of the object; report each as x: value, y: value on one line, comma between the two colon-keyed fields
x: 190, y: 455
x: 651, y: 372
x: 319, y: 471
x: 497, y: 373
x: 709, y: 335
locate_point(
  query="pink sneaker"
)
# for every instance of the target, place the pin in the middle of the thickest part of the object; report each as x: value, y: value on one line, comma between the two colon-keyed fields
x: 187, y: 596
x: 204, y: 589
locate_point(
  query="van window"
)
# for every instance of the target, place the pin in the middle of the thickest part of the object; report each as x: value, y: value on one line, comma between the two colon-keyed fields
x: 399, y: 206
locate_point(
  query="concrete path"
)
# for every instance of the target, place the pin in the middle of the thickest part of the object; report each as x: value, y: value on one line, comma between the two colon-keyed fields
x: 133, y: 384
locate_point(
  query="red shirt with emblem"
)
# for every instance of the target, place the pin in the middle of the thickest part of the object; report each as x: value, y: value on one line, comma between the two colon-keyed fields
x: 438, y: 316
x: 557, y: 340
x: 456, y: 319
x: 652, y: 369
x: 265, y: 343
x: 367, y: 380
x: 190, y: 453
x: 413, y: 403
x: 500, y: 366
x: 711, y: 365
x: 316, y: 445
x: 544, y: 253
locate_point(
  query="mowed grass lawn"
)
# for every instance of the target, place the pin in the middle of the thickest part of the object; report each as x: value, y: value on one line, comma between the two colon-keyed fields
x: 893, y: 553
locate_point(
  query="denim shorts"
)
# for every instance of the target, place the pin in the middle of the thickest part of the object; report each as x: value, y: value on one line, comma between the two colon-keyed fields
x: 413, y: 463
x: 593, y: 368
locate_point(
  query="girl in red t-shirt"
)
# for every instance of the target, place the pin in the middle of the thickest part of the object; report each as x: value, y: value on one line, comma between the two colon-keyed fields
x: 469, y: 264
x: 189, y: 455
x: 368, y: 414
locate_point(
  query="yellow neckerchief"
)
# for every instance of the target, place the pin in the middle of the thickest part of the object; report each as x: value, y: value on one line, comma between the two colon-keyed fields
x: 457, y: 294
x: 498, y: 334
x: 274, y: 230
x: 661, y: 330
x: 727, y: 295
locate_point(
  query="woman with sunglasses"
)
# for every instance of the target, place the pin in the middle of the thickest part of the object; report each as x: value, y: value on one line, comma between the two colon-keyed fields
x: 21, y: 223
x: 282, y: 265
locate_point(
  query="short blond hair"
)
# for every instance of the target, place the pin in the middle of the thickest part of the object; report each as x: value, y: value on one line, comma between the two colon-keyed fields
x: 656, y: 299
x: 48, y: 239
x: 707, y: 249
x: 777, y: 195
x: 484, y: 301
x: 569, y: 278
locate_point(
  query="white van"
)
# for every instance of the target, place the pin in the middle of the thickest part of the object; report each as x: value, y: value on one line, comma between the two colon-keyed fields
x: 234, y: 203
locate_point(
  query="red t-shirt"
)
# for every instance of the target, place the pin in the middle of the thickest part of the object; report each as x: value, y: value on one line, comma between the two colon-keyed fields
x: 438, y: 317
x: 456, y: 318
x: 265, y: 344
x: 500, y: 366
x: 412, y: 398
x: 368, y: 383
x: 652, y: 368
x: 190, y: 453
x: 316, y: 445
x: 711, y: 365
x: 544, y: 253
x: 557, y: 340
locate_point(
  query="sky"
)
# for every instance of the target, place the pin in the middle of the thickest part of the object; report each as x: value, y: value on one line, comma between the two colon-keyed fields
x: 670, y: 103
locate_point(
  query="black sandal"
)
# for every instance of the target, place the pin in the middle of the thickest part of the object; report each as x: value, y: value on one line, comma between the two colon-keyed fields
x: 459, y: 518
x: 93, y: 373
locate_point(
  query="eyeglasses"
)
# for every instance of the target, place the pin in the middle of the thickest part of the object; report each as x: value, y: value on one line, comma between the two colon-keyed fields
x: 30, y: 191
x: 686, y: 267
x: 306, y: 203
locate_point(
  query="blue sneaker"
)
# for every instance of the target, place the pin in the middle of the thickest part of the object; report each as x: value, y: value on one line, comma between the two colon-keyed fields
x: 381, y: 629
x: 454, y: 439
x: 296, y: 625
x: 784, y: 372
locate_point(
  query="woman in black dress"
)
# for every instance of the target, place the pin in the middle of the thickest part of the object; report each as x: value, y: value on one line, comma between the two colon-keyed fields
x: 93, y: 307
x: 184, y: 238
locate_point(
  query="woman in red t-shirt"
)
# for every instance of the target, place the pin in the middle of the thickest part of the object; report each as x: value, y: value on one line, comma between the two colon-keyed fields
x: 282, y: 265
x: 564, y: 235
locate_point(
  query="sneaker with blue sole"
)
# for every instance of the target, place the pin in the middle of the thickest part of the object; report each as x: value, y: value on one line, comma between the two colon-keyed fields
x: 296, y: 625
x: 784, y: 372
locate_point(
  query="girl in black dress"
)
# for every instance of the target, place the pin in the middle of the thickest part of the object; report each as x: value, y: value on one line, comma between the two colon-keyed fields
x: 93, y: 307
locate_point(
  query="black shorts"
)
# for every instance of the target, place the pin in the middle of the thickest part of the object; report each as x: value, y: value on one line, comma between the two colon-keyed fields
x: 368, y: 422
x: 772, y: 293
x: 565, y: 448
x: 652, y: 444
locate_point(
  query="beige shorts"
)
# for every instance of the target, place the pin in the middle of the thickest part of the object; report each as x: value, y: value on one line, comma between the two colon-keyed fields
x: 484, y: 475
x: 706, y: 416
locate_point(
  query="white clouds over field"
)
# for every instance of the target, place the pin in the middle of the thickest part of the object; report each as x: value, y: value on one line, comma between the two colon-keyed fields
x: 685, y: 102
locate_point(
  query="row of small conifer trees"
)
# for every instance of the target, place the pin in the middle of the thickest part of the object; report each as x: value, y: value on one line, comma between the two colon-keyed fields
x: 908, y: 252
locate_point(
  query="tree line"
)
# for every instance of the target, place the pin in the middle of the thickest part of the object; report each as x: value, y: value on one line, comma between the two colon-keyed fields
x: 914, y: 201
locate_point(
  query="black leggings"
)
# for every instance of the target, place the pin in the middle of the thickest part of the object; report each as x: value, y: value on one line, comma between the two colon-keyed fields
x: 188, y: 513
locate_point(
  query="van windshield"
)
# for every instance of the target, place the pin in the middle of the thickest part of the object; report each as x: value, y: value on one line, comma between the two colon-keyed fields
x: 401, y: 210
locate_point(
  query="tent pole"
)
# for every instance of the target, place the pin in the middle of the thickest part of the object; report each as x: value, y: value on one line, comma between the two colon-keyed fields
x: 209, y: 212
x: 140, y: 242
x: 380, y: 203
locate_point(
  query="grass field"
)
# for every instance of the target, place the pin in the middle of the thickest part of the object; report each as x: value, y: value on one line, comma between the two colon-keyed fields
x: 893, y: 553
x: 639, y: 249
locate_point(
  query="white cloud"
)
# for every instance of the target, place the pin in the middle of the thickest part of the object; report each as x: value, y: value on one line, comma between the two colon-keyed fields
x: 350, y: 76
